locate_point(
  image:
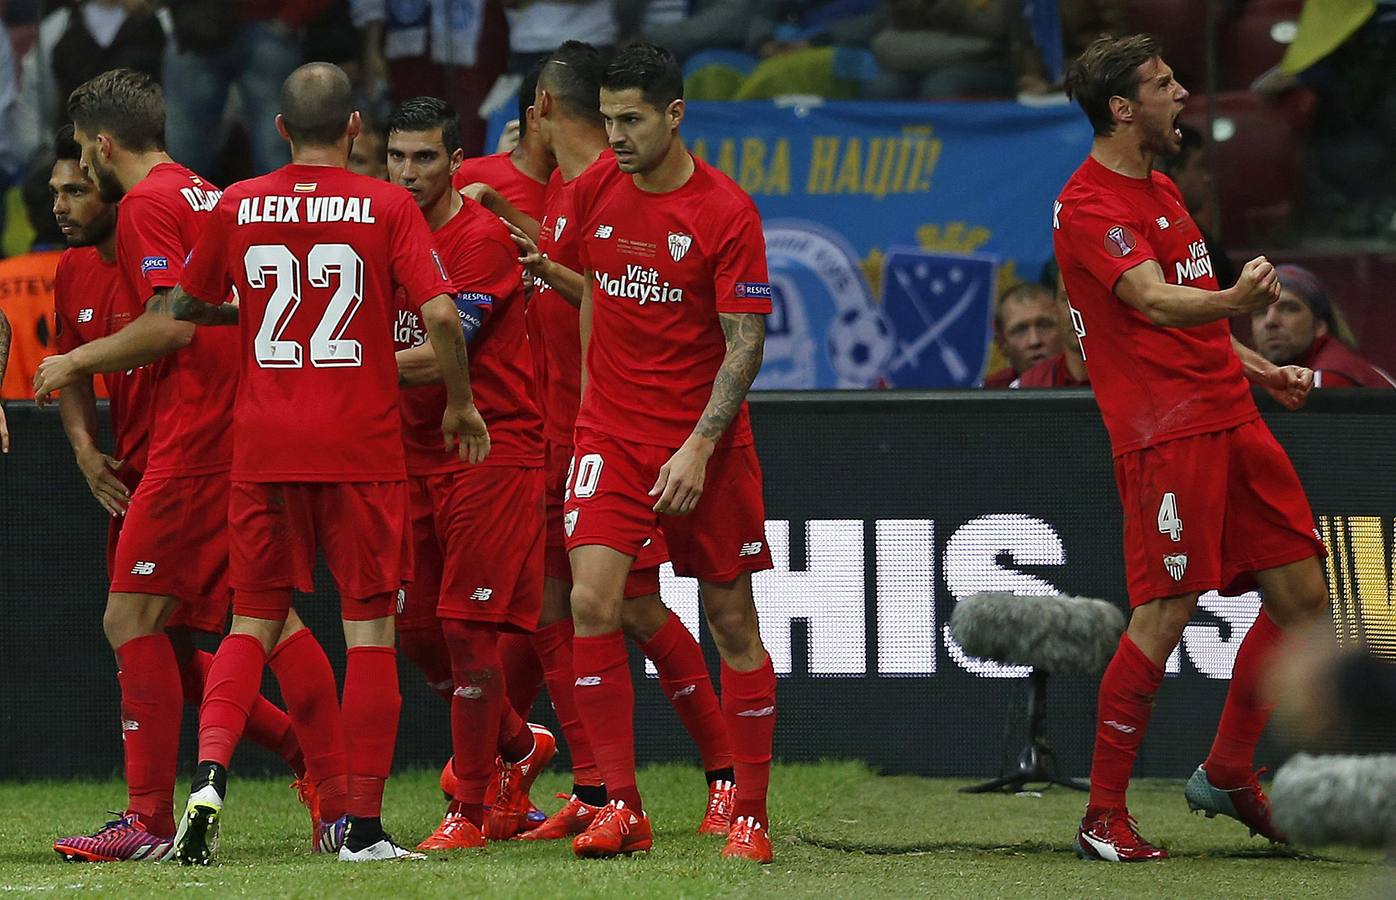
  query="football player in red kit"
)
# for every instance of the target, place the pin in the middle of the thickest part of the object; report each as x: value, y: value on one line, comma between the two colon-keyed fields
x: 478, y: 530
x: 1210, y: 499
x: 169, y: 568
x: 315, y: 254
x: 673, y: 324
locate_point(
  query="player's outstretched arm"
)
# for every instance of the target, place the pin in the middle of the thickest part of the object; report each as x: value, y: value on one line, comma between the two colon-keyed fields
x: 565, y: 281
x: 153, y: 334
x: 496, y: 203
x: 680, y: 481
x: 77, y: 407
x: 1180, y: 306
x: 188, y: 309
x: 1290, y: 385
x: 461, y: 424
x: 4, y: 365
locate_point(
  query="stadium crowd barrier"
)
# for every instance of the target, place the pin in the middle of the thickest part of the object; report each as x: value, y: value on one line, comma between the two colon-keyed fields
x: 883, y: 509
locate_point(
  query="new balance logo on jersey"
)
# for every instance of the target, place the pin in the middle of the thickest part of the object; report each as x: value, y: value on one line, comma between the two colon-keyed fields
x: 1176, y: 564
x: 684, y: 692
x: 604, y: 231
x: 640, y: 283
x: 481, y: 594
x: 84, y: 315
x: 1162, y: 222
x: 679, y: 245
x: 588, y: 681
x: 760, y: 713
x: 143, y: 568
x: 560, y: 224
x: 750, y: 549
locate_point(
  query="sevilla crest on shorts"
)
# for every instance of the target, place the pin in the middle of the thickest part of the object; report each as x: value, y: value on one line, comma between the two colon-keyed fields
x: 679, y: 244
x: 1176, y: 564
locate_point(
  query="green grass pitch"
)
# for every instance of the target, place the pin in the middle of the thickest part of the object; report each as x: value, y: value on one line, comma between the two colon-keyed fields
x: 840, y: 831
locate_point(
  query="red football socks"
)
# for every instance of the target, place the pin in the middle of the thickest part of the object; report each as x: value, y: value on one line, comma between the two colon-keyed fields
x: 1243, y: 718
x: 475, y: 712
x: 553, y: 644
x: 371, y: 708
x: 1124, y: 705
x: 605, y: 700
x: 232, y: 685
x: 426, y: 647
x: 267, y: 725
x: 749, y: 705
x: 523, y: 671
x: 683, y: 676
x: 152, y: 706
x: 312, y: 700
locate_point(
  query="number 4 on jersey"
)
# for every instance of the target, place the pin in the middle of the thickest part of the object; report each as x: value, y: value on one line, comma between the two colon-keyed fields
x: 1168, y: 521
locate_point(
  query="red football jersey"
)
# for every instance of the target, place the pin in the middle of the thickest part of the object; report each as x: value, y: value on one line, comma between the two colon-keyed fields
x: 159, y: 223
x: 1153, y: 384
x: 553, y: 322
x: 499, y: 172
x: 663, y: 267
x: 90, y: 301
x: 484, y: 266
x: 1336, y: 366
x: 316, y: 253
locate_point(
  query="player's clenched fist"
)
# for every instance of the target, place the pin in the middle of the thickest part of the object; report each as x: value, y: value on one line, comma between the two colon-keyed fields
x: 1258, y: 286
x: 1290, y: 385
x: 465, y: 426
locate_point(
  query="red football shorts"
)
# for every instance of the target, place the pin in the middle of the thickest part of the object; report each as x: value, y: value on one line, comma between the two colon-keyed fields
x: 362, y: 527
x: 174, y: 543
x: 1206, y: 512
x: 489, y: 520
x: 609, y: 504
x: 132, y: 479
x: 643, y: 579
x: 417, y: 605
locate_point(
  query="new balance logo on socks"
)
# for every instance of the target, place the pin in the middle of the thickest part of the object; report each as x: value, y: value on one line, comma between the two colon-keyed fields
x: 684, y: 692
x: 588, y: 681
x: 758, y: 713
x: 1120, y: 726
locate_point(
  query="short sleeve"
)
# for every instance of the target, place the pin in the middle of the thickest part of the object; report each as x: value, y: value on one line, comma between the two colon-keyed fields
x: 206, y: 276
x: 65, y: 338
x: 486, y: 267
x: 150, y: 248
x: 1106, y: 243
x: 416, y: 266
x: 740, y: 280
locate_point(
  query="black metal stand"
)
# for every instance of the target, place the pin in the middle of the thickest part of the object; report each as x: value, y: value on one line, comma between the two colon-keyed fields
x: 1037, y: 764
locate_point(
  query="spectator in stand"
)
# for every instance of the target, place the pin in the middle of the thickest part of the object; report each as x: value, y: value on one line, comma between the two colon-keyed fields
x: 1189, y: 170
x: 26, y: 286
x: 452, y: 49
x: 1066, y: 369
x: 944, y: 49
x: 537, y: 27
x: 1026, y: 330
x: 1303, y: 328
x: 685, y: 26
x: 75, y: 42
x: 254, y: 44
x: 1061, y: 31
x: 786, y: 26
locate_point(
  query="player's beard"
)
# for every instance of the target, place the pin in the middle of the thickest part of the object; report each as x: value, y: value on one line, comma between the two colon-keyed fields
x: 94, y: 232
x: 108, y: 185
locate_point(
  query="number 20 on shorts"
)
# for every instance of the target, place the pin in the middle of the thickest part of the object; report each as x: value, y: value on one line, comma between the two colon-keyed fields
x: 587, y: 472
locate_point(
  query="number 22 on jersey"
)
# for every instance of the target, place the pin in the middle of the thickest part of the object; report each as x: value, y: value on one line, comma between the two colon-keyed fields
x: 328, y: 346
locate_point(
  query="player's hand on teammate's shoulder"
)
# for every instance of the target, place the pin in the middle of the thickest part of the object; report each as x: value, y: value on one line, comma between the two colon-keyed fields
x: 1290, y: 385
x: 479, y: 192
x: 1257, y: 287
x: 464, y: 428
x: 54, y: 374
x: 680, y: 481
x: 100, y: 471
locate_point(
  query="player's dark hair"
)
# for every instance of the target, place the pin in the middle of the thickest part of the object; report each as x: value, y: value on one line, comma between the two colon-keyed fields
x: 316, y: 102
x: 650, y: 68
x: 124, y: 104
x: 1023, y: 290
x: 572, y: 74
x: 428, y: 114
x: 527, y: 91
x: 1109, y: 67
x: 65, y: 146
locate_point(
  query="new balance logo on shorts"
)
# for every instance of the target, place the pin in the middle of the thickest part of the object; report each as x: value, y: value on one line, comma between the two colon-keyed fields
x: 588, y: 681
x: 1176, y: 564
x: 481, y: 594
x: 143, y: 568
x: 750, y: 549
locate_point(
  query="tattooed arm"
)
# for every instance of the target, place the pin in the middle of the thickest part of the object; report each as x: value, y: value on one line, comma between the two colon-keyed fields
x: 153, y: 334
x: 680, y: 482
x: 187, y: 309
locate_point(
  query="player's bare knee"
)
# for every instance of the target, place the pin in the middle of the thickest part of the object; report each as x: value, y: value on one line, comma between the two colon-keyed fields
x: 735, y: 631
x: 593, y: 612
x: 129, y: 616
x: 641, y: 618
